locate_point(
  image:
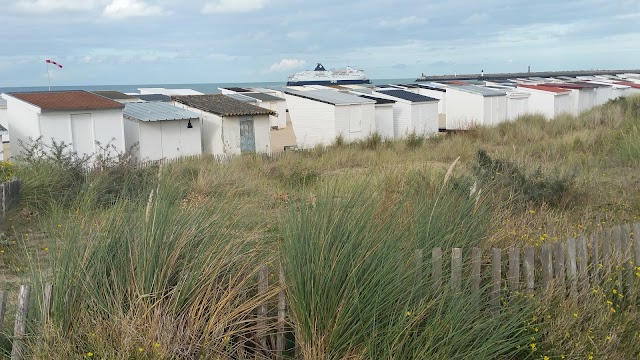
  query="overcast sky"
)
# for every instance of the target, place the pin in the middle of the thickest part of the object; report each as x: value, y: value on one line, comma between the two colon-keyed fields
x: 102, y: 42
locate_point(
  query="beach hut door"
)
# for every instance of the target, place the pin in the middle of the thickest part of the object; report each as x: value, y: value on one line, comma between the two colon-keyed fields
x: 247, y: 135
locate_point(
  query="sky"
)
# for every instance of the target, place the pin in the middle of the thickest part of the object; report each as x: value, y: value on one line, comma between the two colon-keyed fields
x: 110, y: 42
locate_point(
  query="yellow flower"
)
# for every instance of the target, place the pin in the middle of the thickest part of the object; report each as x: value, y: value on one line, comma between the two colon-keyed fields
x: 562, y: 356
x: 595, y: 291
x: 226, y: 339
x: 89, y: 354
x: 613, y: 311
x: 532, y: 211
x: 408, y: 313
x: 535, y: 329
x: 575, y: 315
x: 546, y: 358
x: 590, y: 357
x: 46, y: 249
x: 156, y: 345
x: 614, y: 291
x: 533, y: 346
x: 609, y: 302
x: 140, y: 349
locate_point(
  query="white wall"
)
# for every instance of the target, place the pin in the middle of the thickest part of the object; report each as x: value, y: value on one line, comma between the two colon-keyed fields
x: 355, y: 122
x: 464, y: 109
x: 384, y: 120
x: 210, y: 130
x: 424, y: 118
x: 313, y: 122
x: 440, y: 95
x: 169, y: 139
x: 103, y: 126
x: 495, y: 110
x: 280, y: 107
x: 131, y: 137
x: 4, y: 121
x: 549, y: 104
x: 517, y: 105
x: 23, y: 123
x: 562, y: 104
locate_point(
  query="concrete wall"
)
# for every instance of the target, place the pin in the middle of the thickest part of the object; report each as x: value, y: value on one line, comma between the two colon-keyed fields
x: 231, y: 134
x: 313, y: 122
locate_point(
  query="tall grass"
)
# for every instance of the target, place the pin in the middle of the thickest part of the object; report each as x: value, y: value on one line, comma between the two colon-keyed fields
x: 154, y: 279
x: 354, y: 287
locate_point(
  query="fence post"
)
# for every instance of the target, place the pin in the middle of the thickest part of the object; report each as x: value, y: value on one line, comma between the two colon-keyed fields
x: 558, y: 265
x: 496, y: 263
x: 476, y: 265
x: 627, y: 257
x: 547, y: 266
x: 46, y: 302
x: 20, y: 329
x: 595, y: 268
x: 3, y: 307
x: 282, y: 313
x: 456, y: 269
x: 529, y: 268
x: 572, y: 270
x: 263, y: 287
x: 514, y: 268
x: 617, y: 256
x: 583, y: 263
x: 436, y: 268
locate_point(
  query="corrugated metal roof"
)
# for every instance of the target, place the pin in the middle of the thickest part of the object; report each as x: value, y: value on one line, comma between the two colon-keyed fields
x: 222, y: 105
x: 154, y: 97
x: 156, y: 111
x: 263, y: 96
x: 330, y: 97
x: 480, y: 90
x: 237, y: 89
x: 67, y: 100
x: 243, y: 98
x: 379, y: 101
x: 407, y: 95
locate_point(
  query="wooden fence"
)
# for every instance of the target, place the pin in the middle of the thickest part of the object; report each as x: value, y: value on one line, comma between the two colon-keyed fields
x: 568, y: 268
x: 9, y: 196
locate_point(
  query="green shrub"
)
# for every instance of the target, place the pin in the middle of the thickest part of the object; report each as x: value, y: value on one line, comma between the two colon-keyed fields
x: 535, y: 187
x: 414, y: 141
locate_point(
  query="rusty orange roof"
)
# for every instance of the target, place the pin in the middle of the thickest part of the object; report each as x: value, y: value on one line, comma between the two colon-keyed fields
x: 544, y: 88
x: 67, y: 100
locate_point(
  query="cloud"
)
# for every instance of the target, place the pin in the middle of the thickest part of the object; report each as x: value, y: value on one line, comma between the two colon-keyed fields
x: 286, y: 65
x: 297, y: 35
x: 45, y: 6
x: 120, y: 9
x: 632, y: 16
x: 233, y: 6
x: 477, y: 18
x: 402, y: 22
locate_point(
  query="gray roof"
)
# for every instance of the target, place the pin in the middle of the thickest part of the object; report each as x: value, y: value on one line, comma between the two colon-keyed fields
x: 378, y: 100
x: 263, y: 96
x: 154, y: 97
x: 156, y: 111
x: 242, y: 97
x: 330, y: 97
x: 221, y: 105
x: 480, y: 90
x: 407, y: 95
x: 113, y: 95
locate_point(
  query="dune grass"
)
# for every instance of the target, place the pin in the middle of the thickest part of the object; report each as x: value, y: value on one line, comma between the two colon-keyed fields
x: 162, y: 263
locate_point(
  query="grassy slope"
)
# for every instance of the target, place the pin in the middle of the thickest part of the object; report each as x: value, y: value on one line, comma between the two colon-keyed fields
x: 602, y: 147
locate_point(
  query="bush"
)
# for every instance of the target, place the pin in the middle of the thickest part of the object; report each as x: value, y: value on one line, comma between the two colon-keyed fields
x: 536, y: 187
x: 414, y: 141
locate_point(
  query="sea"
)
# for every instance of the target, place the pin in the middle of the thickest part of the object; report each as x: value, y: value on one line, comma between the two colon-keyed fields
x: 206, y: 88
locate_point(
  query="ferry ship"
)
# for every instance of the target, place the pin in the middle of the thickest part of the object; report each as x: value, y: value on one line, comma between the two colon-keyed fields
x: 322, y: 76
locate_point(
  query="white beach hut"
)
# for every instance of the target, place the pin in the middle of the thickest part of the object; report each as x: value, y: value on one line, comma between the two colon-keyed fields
x: 384, y: 115
x: 79, y: 118
x: 412, y: 113
x: 161, y: 131
x: 229, y: 126
x: 547, y: 100
x: 583, y: 96
x: 4, y: 118
x: 469, y: 105
x: 318, y: 117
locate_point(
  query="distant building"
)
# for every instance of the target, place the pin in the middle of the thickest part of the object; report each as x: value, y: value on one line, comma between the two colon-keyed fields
x: 549, y: 101
x: 229, y: 126
x: 79, y: 118
x: 412, y: 113
x: 318, y: 117
x: 170, y: 92
x: 161, y: 131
